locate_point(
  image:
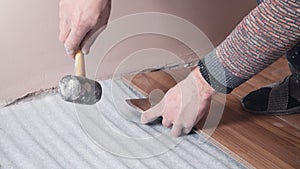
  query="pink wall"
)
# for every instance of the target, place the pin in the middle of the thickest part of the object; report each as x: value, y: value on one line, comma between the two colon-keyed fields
x: 32, y: 58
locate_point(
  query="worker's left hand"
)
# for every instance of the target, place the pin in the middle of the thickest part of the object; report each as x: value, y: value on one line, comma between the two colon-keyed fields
x: 183, y: 105
x: 81, y: 21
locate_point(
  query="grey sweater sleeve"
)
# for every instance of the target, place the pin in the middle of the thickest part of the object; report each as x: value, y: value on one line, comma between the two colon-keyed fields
x: 264, y: 35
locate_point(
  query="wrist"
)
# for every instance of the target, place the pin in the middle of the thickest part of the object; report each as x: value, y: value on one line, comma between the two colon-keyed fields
x: 202, y: 84
x: 210, y: 79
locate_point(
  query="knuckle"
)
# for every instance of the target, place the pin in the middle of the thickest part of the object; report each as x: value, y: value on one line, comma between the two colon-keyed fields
x: 89, y: 19
x: 85, y: 24
x: 82, y: 25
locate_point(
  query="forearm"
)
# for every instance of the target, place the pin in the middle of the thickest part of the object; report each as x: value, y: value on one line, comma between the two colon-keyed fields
x: 264, y: 35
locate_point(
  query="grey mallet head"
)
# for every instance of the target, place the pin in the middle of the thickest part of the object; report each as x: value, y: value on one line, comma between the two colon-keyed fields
x: 77, y: 89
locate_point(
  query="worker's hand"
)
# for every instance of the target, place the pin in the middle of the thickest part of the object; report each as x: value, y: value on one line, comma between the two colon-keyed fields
x: 183, y: 105
x: 81, y: 21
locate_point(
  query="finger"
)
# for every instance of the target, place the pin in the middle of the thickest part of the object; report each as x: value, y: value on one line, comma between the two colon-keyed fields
x: 92, y: 35
x: 90, y: 38
x: 166, y: 123
x: 64, y: 25
x: 176, y: 130
x: 74, y: 39
x: 65, y: 29
x: 152, y: 113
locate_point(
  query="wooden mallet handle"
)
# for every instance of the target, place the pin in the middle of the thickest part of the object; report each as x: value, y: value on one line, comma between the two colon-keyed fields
x: 79, y: 64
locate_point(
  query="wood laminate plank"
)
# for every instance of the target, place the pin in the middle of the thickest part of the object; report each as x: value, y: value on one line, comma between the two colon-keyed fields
x: 263, y: 141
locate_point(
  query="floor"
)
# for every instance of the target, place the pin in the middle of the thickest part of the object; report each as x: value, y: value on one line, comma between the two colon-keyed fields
x: 47, y: 132
x: 263, y: 141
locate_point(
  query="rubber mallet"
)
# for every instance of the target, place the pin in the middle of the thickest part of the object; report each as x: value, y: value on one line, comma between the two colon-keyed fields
x: 78, y: 88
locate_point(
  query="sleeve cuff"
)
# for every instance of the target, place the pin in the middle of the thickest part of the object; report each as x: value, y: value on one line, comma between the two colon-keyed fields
x: 216, y: 75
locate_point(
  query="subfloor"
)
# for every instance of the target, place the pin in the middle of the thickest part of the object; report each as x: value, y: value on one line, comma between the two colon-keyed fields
x: 263, y: 141
x: 47, y: 132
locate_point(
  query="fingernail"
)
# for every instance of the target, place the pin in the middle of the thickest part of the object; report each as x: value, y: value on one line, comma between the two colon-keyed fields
x: 166, y: 123
x: 85, y: 51
x: 69, y: 52
x: 186, y: 130
x: 176, y: 133
x: 143, y: 119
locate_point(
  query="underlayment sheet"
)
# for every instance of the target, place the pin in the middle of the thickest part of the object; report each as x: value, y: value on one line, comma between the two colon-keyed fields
x: 50, y: 133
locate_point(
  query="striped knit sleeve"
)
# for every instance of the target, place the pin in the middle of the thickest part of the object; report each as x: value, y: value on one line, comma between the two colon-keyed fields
x: 264, y: 35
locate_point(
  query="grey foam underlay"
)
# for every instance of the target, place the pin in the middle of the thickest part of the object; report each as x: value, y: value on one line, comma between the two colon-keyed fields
x: 45, y: 133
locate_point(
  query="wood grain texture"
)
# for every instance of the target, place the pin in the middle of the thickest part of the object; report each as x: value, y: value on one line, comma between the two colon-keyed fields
x: 263, y: 141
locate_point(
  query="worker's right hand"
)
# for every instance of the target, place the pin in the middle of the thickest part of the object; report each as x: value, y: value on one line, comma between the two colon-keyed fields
x: 183, y: 105
x: 81, y: 21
